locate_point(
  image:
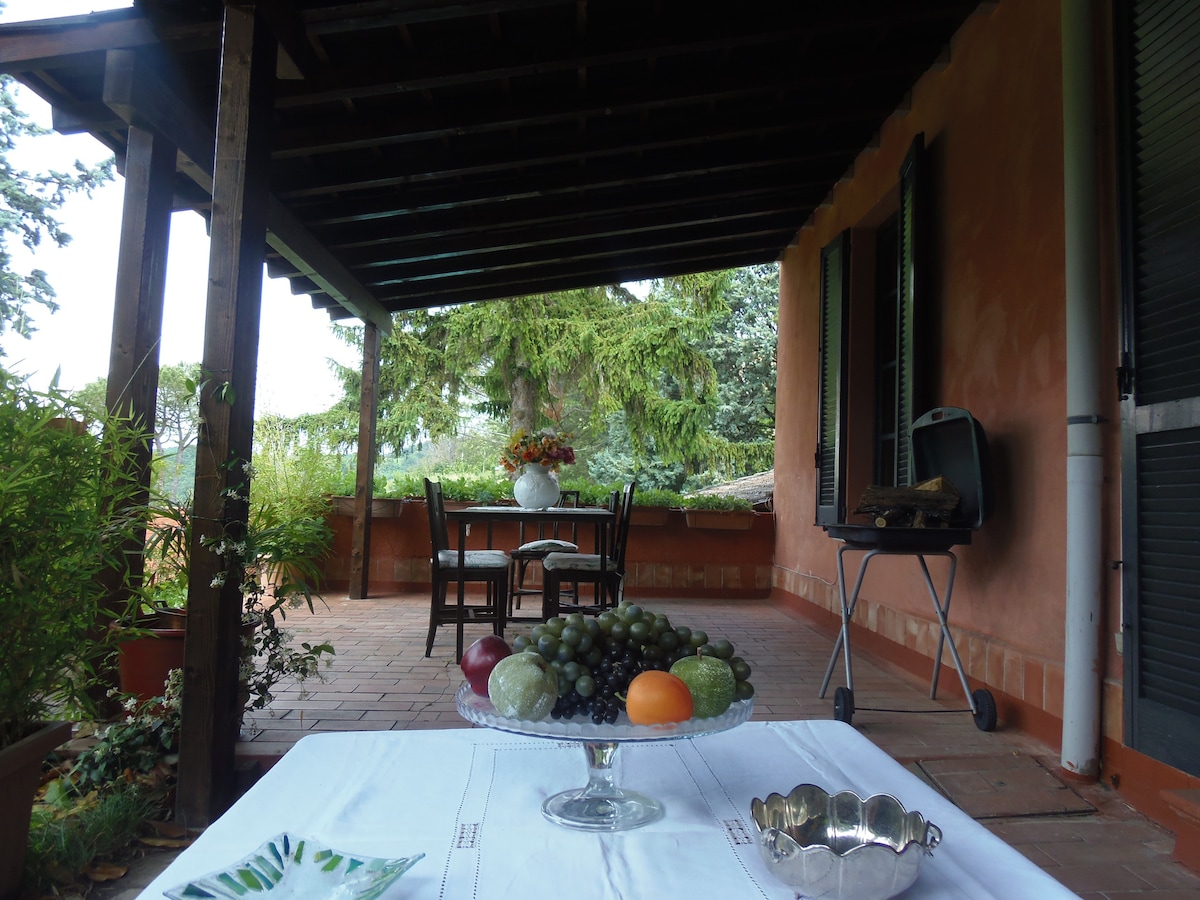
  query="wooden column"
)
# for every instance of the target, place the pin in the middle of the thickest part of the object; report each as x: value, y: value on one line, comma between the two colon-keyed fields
x: 212, y: 706
x: 136, y: 336
x: 141, y: 283
x: 368, y: 411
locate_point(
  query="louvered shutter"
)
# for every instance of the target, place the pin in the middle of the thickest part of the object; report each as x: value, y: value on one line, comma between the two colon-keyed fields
x: 830, y: 456
x: 1159, y: 52
x: 910, y: 290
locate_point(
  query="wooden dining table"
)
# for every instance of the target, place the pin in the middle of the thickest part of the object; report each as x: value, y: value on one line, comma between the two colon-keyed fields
x: 601, y: 519
x: 469, y: 799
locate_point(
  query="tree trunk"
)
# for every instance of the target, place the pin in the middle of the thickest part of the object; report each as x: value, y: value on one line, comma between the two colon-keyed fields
x: 523, y: 411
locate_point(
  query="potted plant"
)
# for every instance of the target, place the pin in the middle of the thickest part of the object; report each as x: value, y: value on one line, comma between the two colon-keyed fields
x: 717, y: 511
x: 652, y: 505
x: 68, y: 512
x: 280, y: 557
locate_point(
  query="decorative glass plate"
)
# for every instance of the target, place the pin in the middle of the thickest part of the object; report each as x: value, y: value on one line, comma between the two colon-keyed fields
x: 601, y: 805
x: 294, y: 868
x: 479, y: 710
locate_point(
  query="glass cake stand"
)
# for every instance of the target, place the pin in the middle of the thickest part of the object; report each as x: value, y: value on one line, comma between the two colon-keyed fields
x: 601, y: 805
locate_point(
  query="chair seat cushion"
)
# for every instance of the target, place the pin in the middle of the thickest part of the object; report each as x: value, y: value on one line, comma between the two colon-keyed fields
x: 547, y: 545
x: 474, y: 559
x: 576, y: 562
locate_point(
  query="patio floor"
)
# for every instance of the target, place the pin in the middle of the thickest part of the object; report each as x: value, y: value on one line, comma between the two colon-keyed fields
x: 1087, y: 837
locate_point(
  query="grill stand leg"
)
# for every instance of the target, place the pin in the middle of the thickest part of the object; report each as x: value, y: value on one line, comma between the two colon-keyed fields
x: 945, y: 638
x: 941, y: 606
x: 843, y: 638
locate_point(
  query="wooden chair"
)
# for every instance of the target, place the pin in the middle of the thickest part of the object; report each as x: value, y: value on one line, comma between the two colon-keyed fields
x: 490, y: 567
x: 585, y: 568
x: 537, y: 550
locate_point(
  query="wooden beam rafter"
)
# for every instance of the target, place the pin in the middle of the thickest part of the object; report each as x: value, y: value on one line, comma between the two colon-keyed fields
x: 139, y: 97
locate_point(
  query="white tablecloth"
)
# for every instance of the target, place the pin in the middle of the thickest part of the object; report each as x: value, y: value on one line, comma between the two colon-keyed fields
x: 470, y: 799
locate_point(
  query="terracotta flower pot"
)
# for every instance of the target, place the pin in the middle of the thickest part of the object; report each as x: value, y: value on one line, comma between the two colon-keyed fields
x: 20, y: 771
x: 726, y: 519
x: 145, y: 662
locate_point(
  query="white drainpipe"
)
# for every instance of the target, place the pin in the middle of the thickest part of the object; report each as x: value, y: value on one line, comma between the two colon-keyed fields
x: 1083, y: 664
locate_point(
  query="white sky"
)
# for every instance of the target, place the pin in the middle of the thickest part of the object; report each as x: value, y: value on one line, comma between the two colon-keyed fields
x: 296, y: 341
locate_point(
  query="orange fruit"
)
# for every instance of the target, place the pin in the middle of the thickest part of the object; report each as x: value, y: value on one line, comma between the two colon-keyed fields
x: 656, y: 697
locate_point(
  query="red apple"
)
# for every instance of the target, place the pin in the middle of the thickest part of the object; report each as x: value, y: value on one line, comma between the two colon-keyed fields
x: 479, y: 660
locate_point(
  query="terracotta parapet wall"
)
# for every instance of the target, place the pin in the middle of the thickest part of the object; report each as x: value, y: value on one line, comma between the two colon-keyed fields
x: 668, y: 560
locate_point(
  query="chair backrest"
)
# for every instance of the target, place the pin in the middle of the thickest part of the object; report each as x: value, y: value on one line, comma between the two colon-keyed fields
x: 439, y: 536
x: 568, y: 500
x: 621, y: 536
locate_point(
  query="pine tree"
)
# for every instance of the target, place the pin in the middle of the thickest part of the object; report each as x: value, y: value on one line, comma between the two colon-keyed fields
x: 27, y: 205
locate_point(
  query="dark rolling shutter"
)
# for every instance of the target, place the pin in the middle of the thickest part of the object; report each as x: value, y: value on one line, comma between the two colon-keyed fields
x: 830, y: 456
x: 1159, y: 56
x: 1166, y: 182
x: 911, y: 290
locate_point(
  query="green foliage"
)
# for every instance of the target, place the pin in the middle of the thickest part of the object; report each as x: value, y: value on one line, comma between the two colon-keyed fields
x: 28, y: 204
x: 65, y: 837
x: 657, y: 497
x: 715, y: 501
x: 292, y: 475
x: 67, y: 508
x: 481, y: 488
x: 277, y: 559
x: 135, y: 744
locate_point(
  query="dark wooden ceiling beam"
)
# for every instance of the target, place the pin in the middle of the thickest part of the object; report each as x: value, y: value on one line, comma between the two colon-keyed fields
x: 361, y: 83
x: 679, y: 31
x: 480, y: 163
x: 771, y: 230
x: 282, y: 18
x: 140, y: 98
x: 619, y: 273
x: 56, y: 42
x: 783, y: 89
x: 728, y: 192
x: 659, y: 229
x: 350, y: 17
x: 381, y: 249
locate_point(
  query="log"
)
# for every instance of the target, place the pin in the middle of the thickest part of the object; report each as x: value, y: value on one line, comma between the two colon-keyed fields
x: 931, y: 503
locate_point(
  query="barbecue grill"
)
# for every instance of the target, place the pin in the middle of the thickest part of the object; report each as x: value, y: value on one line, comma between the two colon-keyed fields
x: 946, y: 441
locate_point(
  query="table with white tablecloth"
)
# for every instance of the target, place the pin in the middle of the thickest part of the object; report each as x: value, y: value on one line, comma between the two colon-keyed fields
x: 470, y: 800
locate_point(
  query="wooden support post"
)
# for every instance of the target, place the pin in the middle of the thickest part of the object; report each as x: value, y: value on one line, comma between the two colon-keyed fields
x: 368, y: 413
x: 141, y: 283
x: 212, y: 708
x: 136, y: 335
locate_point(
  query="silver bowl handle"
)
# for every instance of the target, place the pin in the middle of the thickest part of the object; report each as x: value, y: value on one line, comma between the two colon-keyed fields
x: 933, y: 837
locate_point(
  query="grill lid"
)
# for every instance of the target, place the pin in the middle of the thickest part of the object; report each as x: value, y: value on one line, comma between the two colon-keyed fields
x: 950, y: 441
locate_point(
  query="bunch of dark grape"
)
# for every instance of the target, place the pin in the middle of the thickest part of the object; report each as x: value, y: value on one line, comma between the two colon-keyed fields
x: 596, y: 658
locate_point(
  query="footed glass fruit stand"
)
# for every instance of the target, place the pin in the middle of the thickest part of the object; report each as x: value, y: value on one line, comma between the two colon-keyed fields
x: 600, y: 805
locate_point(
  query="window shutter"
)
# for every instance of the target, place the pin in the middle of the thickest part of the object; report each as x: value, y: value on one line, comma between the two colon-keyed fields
x: 910, y: 290
x: 830, y: 457
x: 1158, y: 48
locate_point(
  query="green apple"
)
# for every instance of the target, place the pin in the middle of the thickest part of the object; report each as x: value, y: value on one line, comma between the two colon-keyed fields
x: 711, y: 682
x: 523, y: 686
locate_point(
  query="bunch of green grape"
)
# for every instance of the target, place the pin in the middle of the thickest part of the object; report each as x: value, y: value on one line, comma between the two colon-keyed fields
x: 596, y: 658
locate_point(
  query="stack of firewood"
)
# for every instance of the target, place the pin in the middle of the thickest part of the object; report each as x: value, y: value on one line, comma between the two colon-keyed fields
x: 930, y: 504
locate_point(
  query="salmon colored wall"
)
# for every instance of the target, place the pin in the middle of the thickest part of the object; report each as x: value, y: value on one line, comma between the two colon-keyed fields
x: 666, y: 560
x: 992, y: 120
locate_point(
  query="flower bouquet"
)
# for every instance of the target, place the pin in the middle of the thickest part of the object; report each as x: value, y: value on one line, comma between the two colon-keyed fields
x: 545, y: 448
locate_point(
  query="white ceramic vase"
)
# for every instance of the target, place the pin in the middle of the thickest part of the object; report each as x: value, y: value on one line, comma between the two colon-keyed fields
x: 537, y: 488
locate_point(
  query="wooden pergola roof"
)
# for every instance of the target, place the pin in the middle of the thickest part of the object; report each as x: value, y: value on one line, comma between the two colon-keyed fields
x: 400, y: 154
x: 426, y: 152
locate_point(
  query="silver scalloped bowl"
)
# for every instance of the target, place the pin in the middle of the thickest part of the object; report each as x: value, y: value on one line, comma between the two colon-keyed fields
x: 840, y: 845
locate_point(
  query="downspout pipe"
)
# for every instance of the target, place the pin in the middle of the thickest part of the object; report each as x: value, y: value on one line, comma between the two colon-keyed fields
x: 1083, y: 665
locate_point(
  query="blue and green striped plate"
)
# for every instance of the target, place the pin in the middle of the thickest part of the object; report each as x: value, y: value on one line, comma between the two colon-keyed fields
x: 294, y: 868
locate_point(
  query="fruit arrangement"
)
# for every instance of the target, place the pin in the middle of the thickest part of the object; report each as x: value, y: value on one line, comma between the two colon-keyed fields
x: 601, y: 666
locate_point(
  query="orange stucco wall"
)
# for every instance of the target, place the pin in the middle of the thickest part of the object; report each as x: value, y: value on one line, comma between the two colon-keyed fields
x: 992, y: 120
x: 665, y: 559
